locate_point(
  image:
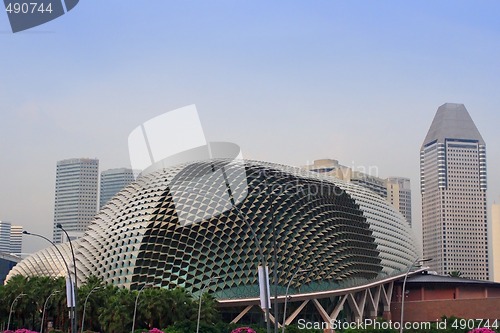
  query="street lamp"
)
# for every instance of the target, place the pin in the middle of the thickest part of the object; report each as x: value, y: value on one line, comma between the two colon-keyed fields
x: 404, y: 287
x: 72, y: 294
x: 75, y: 287
x: 135, y: 307
x: 12, y: 307
x: 85, y: 305
x: 45, y: 307
x: 214, y: 278
x: 301, y: 271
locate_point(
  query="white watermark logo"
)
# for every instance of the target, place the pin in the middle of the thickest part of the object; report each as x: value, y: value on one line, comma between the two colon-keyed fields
x: 25, y: 14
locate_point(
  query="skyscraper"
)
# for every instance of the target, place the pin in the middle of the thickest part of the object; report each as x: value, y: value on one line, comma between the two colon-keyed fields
x: 399, y: 195
x: 11, y: 238
x: 5, y: 236
x: 453, y: 187
x: 16, y: 239
x: 396, y: 190
x: 76, y: 196
x: 112, y: 181
x: 495, y: 240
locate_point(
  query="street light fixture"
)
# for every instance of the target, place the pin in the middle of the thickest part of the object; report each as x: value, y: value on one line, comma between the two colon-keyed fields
x: 85, y: 305
x: 45, y: 307
x: 75, y: 287
x: 404, y: 287
x: 298, y: 271
x: 214, y: 278
x: 135, y: 307
x: 12, y: 307
x: 72, y: 295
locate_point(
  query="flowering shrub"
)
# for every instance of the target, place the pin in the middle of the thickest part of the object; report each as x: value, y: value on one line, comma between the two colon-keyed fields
x: 243, y: 330
x: 481, y: 330
x: 153, y: 330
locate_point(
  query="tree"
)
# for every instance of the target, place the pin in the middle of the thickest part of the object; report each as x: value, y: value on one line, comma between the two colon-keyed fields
x: 455, y: 274
x: 116, y: 313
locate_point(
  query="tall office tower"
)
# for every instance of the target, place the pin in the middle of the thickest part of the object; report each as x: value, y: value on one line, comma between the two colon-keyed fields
x: 453, y: 187
x: 495, y: 240
x: 76, y: 196
x: 112, y: 181
x: 399, y: 195
x: 16, y: 239
x: 5, y: 236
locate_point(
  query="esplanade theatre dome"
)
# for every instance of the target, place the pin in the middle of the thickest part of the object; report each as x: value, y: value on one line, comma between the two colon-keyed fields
x: 184, y: 224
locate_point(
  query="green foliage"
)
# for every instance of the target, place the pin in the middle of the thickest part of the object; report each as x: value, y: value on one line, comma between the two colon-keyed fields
x: 108, y: 308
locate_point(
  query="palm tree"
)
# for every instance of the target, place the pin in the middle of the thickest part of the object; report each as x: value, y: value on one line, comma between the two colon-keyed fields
x: 95, y: 300
x: 209, y: 313
x: 116, y: 315
x: 455, y: 274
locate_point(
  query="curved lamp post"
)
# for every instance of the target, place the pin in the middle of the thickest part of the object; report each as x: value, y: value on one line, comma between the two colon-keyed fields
x: 298, y: 271
x: 404, y: 287
x: 75, y: 287
x: 45, y: 307
x: 12, y: 307
x: 135, y: 306
x: 72, y: 295
x: 85, y: 305
x: 214, y: 278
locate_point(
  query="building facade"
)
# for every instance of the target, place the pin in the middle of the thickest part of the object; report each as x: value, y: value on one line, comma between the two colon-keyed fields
x: 396, y: 190
x: 495, y: 240
x: 75, y: 196
x: 5, y: 244
x: 11, y: 238
x: 343, y: 233
x: 453, y: 188
x: 16, y: 239
x: 399, y: 195
x: 112, y: 182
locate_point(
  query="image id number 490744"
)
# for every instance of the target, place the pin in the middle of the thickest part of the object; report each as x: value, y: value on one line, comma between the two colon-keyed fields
x: 28, y: 8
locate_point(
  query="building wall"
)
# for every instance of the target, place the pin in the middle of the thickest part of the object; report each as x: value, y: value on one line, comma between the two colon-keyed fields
x: 395, y: 189
x: 5, y: 236
x: 432, y: 301
x: 399, y: 195
x: 5, y: 266
x: 495, y: 240
x: 453, y: 186
x: 424, y: 311
x: 113, y: 181
x: 16, y: 239
x: 76, y: 196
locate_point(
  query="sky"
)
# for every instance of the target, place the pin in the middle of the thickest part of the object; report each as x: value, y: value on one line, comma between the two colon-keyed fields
x: 288, y: 81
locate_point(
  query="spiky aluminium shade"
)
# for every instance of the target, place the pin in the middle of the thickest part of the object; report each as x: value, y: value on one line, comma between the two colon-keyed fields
x: 343, y: 234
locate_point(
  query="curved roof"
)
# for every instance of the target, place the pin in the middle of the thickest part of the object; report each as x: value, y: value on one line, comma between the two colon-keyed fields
x: 183, y: 225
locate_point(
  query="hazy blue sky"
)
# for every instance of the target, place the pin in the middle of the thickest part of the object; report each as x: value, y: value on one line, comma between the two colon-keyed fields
x: 289, y: 81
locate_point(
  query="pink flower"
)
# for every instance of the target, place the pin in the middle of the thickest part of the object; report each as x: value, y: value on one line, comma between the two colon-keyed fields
x: 154, y: 330
x: 243, y: 330
x: 481, y: 330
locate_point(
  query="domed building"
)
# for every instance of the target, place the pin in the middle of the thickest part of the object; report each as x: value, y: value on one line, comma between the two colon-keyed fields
x: 184, y: 225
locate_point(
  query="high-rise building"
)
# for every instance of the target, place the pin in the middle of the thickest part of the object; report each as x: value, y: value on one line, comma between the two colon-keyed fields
x: 113, y: 181
x: 5, y: 236
x: 395, y: 189
x: 16, y: 239
x: 11, y: 238
x: 399, y: 195
x: 76, y: 196
x: 334, y: 168
x: 453, y: 187
x: 495, y: 240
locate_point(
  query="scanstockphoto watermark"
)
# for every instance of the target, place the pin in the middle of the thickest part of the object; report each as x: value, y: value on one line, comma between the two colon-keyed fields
x: 362, y: 325
x: 26, y: 14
